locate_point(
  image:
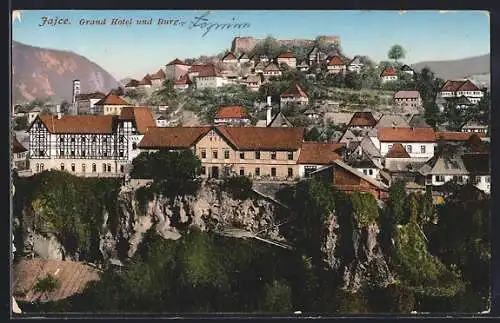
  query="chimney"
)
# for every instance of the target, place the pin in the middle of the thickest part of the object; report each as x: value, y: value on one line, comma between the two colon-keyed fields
x: 269, y: 114
x: 58, y: 111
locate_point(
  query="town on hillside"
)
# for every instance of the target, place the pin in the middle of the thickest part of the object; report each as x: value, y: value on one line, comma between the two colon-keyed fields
x: 273, y: 114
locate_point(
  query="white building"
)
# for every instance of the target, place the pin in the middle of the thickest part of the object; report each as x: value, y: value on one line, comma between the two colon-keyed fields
x: 418, y: 142
x: 389, y: 74
x: 336, y: 65
x: 314, y: 155
x: 85, y: 102
x: 208, y: 77
x: 294, y: 94
x: 287, y: 58
x: 88, y: 145
x: 355, y: 65
x: 458, y: 88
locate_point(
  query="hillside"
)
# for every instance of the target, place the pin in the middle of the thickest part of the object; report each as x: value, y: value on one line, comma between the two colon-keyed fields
x: 41, y: 72
x: 477, y: 67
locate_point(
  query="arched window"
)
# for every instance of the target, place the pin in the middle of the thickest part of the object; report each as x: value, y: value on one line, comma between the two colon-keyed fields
x: 104, y: 168
x: 62, y: 166
x: 94, y: 168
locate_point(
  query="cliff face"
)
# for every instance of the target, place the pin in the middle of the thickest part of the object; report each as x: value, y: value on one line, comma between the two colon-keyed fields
x: 40, y: 73
x: 246, y: 44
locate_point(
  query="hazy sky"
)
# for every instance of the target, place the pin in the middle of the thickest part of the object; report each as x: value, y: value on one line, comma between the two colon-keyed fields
x: 134, y: 50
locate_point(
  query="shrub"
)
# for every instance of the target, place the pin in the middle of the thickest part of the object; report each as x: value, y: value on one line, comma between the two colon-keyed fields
x: 239, y: 187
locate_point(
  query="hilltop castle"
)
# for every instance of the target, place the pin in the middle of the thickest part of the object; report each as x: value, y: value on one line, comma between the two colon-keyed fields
x: 246, y: 44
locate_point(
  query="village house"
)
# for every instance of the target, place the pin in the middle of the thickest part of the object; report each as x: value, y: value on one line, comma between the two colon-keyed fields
x: 278, y: 120
x: 348, y: 180
x: 408, y: 99
x: 183, y: 83
x: 302, y: 66
x: 243, y: 59
x: 19, y: 155
x: 85, y: 102
x: 287, y: 58
x: 389, y: 74
x: 316, y: 56
x: 418, y: 142
x: 175, y: 69
x: 33, y: 113
x: 355, y: 65
x: 458, y: 88
x: 314, y: 155
x: 111, y: 104
x: 145, y: 83
x: 407, y: 70
x: 131, y: 85
x: 259, y: 68
x: 158, y: 78
x: 229, y: 58
x: 312, y: 114
x: 478, y: 166
x: 232, y: 116
x: 294, y: 94
x: 456, y: 137
x: 364, y: 165
x: 362, y: 121
x: 400, y: 165
x: 161, y: 121
x: 253, y: 82
x: 208, y: 77
x: 336, y: 65
x: 261, y: 153
x: 88, y: 145
x: 475, y: 127
x: 272, y: 69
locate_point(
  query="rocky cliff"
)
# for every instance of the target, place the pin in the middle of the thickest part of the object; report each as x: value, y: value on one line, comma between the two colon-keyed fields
x: 246, y: 44
x: 38, y: 73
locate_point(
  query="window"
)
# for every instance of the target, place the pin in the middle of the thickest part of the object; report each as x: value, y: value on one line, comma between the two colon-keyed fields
x: 104, y: 168
x: 72, y: 153
x: 422, y: 149
x: 257, y: 155
x: 203, y: 170
x: 121, y: 139
x: 37, y: 168
x: 242, y: 155
x: 455, y: 178
x: 290, y: 155
x: 104, y: 140
x: 83, y: 153
x: 290, y: 172
x: 61, y: 140
x: 72, y: 167
x: 487, y: 179
x: 365, y: 171
x: 121, y: 153
x: 439, y: 178
x: 273, y: 172
x: 389, y: 147
x: 257, y: 171
x: 83, y: 139
x: 72, y: 139
x: 242, y: 171
x: 105, y: 153
x: 41, y: 152
x: 478, y: 179
x: 214, y: 154
x: 226, y: 154
x: 94, y: 168
x: 408, y: 148
x: 109, y: 168
x: 203, y: 153
x: 370, y: 171
x: 61, y: 153
x: 122, y: 168
x: 41, y: 167
x: 62, y: 166
x: 273, y: 155
x: 134, y: 145
x: 84, y: 167
x: 94, y: 138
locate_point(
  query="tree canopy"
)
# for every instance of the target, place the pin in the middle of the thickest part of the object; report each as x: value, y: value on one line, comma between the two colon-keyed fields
x: 396, y: 53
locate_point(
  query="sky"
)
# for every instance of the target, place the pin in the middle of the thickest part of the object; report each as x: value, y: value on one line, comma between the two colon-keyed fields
x: 134, y: 50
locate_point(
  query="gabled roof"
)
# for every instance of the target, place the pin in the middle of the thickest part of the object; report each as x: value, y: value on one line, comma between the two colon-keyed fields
x: 132, y: 83
x: 335, y: 60
x: 253, y: 79
x: 160, y: 75
x: 232, y: 112
x: 142, y: 116
x: 294, y: 91
x: 244, y: 55
x: 146, y: 80
x: 287, y: 54
x: 355, y: 61
x: 229, y: 56
x: 444, y: 163
x: 177, y: 62
x: 456, y: 135
x: 272, y: 67
x: 78, y: 124
x: 280, y: 120
x: 72, y: 277
x: 406, y: 134
x: 260, y: 65
x: 397, y: 151
x: 463, y: 100
x: 112, y: 99
x: 17, y: 147
x: 407, y: 95
x: 389, y: 71
x: 206, y: 71
x: 88, y: 96
x: 362, y: 119
x: 459, y: 85
x: 172, y: 137
x: 391, y: 120
x: 477, y: 146
x: 259, y: 138
x: 369, y: 148
x: 406, y: 68
x: 183, y: 80
x: 319, y: 153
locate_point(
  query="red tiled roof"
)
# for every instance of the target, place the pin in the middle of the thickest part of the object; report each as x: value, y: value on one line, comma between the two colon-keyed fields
x: 183, y: 80
x: 72, y: 277
x: 459, y: 85
x: 406, y: 94
x: 229, y: 56
x: 176, y: 62
x: 294, y: 91
x: 287, y: 54
x: 146, y: 80
x: 257, y: 138
x: 232, y: 112
x: 362, y: 119
x: 319, y: 153
x: 80, y: 124
x: 142, y: 115
x: 204, y: 70
x: 172, y: 137
x: 112, y: 99
x: 397, y: 151
x: 88, y: 96
x: 17, y: 147
x: 407, y: 134
x: 336, y: 60
x: 389, y: 71
x: 456, y: 135
x: 160, y: 75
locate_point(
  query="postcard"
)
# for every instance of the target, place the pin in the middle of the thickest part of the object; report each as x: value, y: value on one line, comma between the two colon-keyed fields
x: 253, y: 162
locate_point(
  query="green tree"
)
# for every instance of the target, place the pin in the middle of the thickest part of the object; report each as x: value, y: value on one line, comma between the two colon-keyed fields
x: 21, y: 123
x: 396, y: 52
x: 65, y: 106
x: 312, y: 135
x: 277, y: 297
x: 432, y: 114
x: 353, y: 81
